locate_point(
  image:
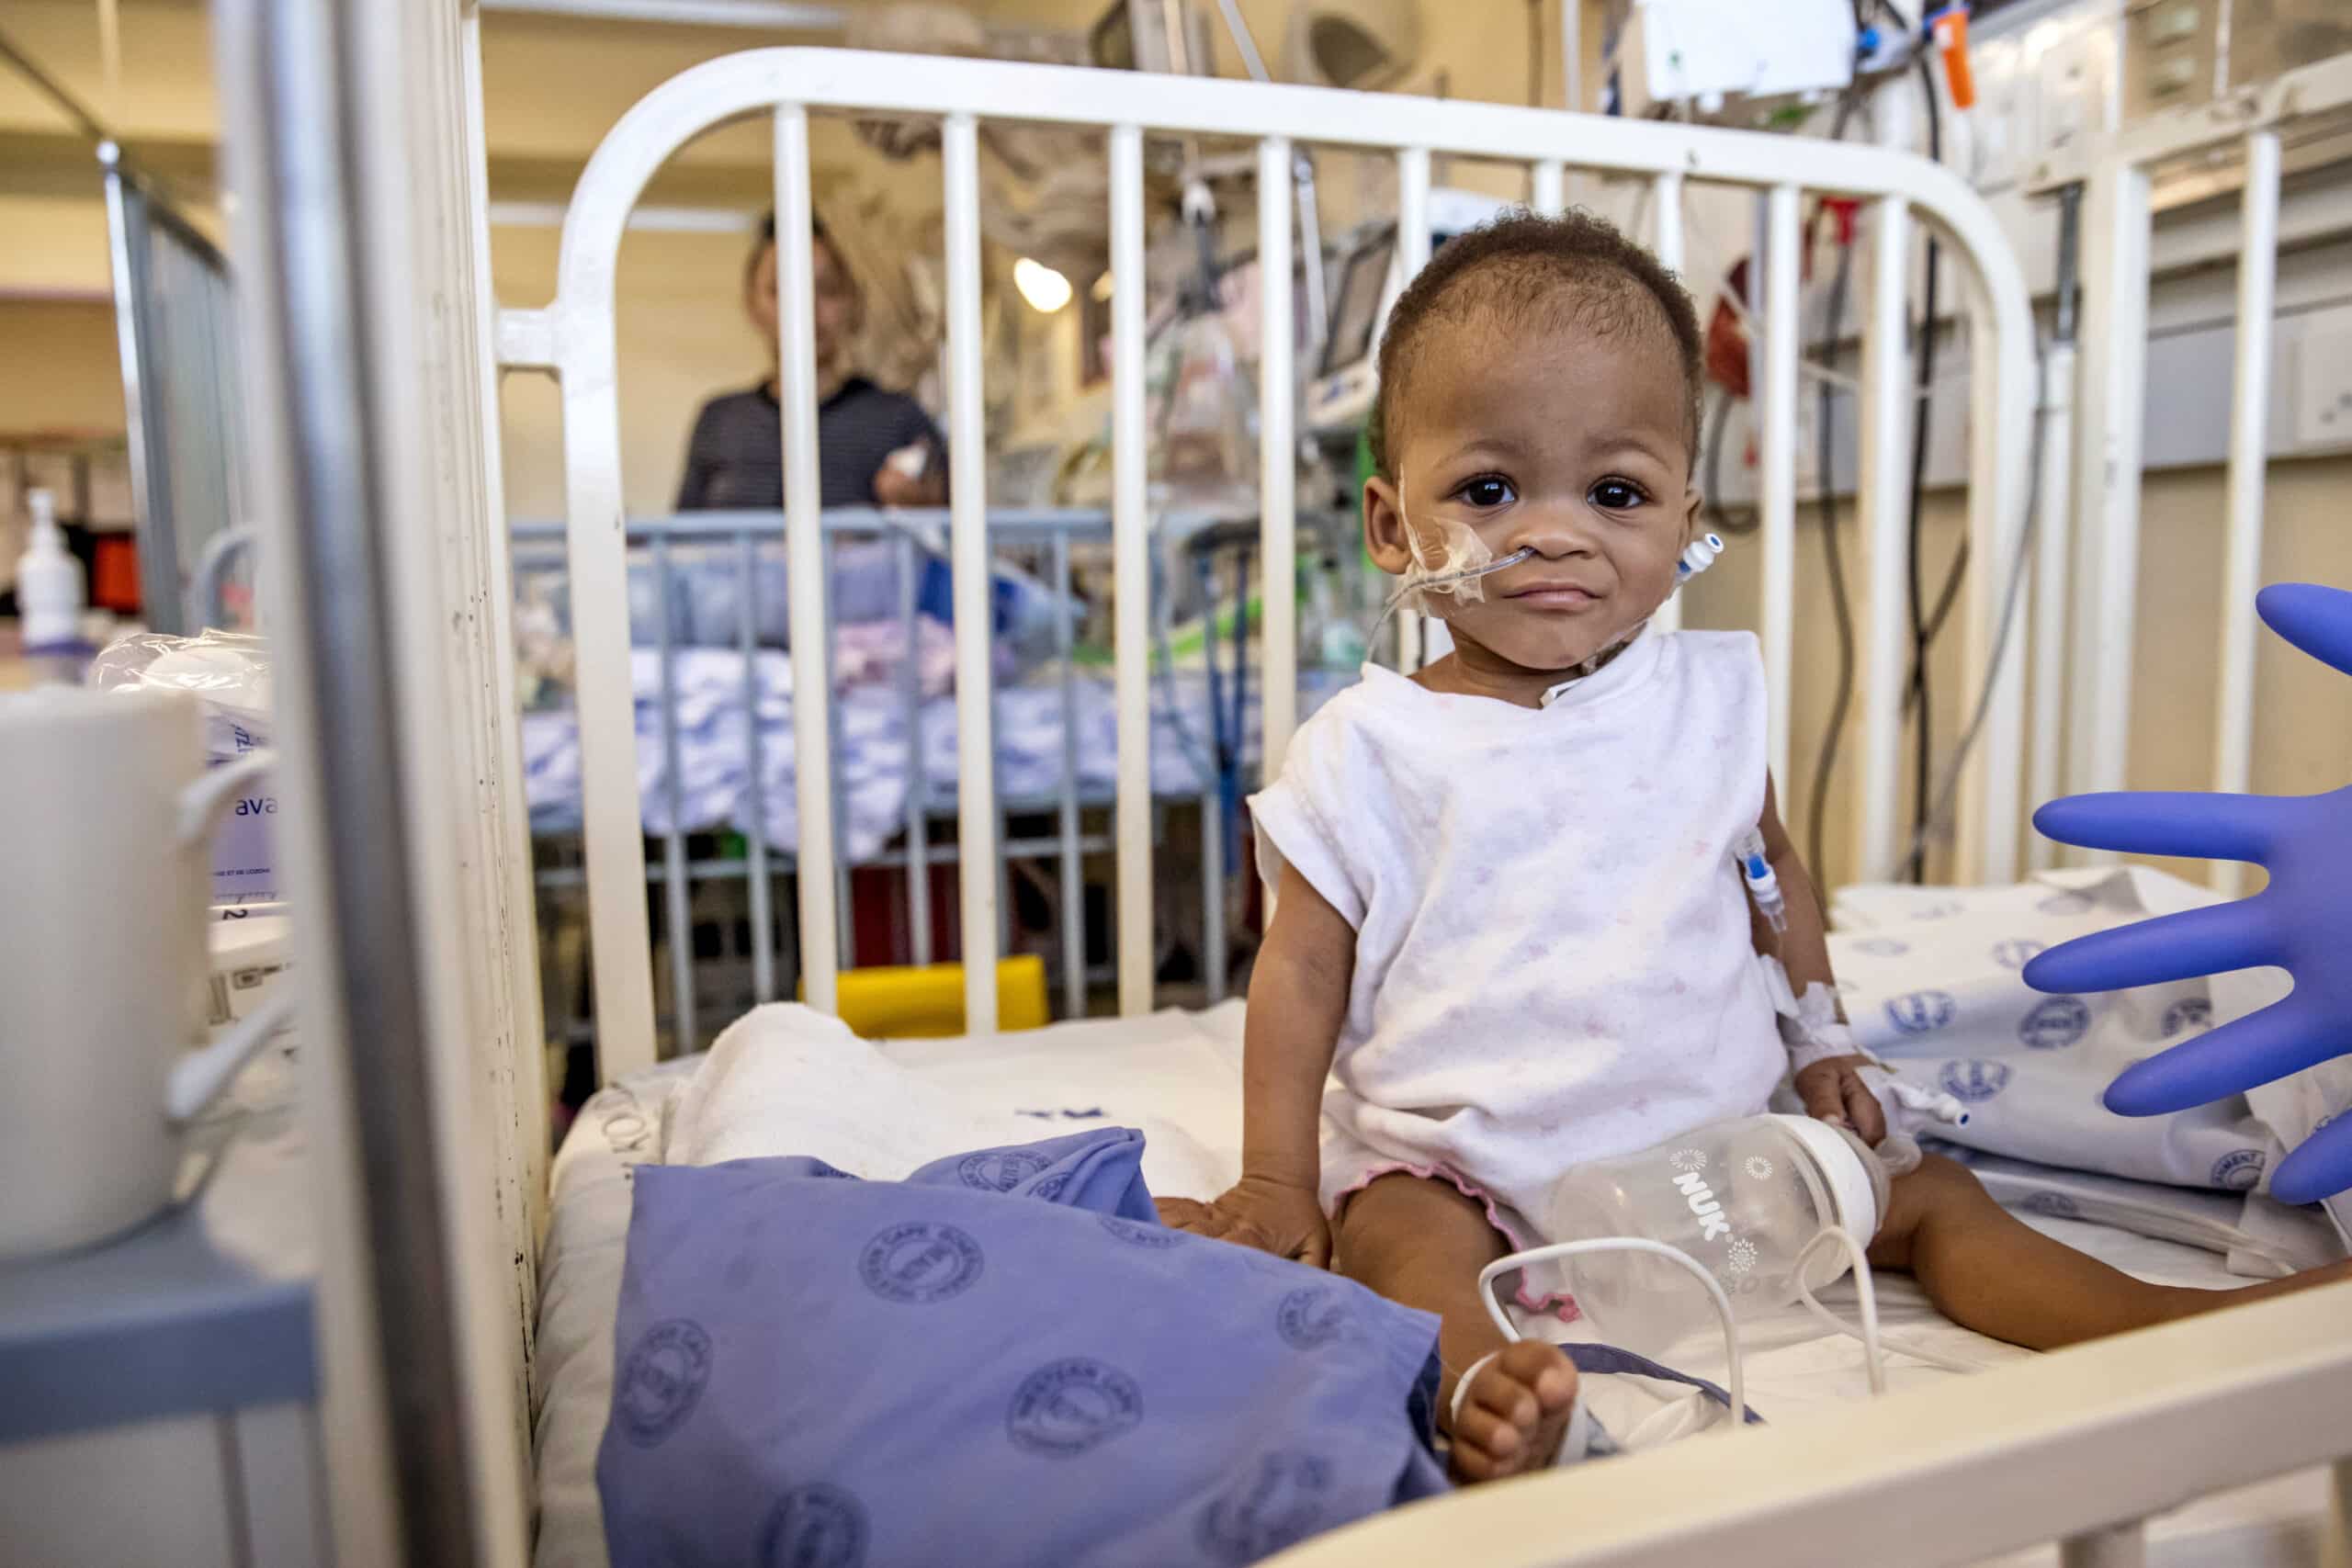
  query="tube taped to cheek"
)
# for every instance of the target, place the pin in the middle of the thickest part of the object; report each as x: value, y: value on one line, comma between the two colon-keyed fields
x: 1456, y: 572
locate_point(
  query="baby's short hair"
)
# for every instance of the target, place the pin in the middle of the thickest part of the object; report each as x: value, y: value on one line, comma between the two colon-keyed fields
x: 1536, y: 270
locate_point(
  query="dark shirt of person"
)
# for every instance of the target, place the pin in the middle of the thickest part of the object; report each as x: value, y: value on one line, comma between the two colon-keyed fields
x: 735, y: 461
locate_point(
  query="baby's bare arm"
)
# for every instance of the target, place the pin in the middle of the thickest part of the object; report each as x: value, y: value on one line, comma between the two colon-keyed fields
x: 1298, y: 994
x: 1831, y: 1088
x: 1803, y: 948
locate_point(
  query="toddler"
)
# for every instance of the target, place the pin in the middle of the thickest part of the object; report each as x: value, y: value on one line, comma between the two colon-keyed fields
x: 1508, y: 929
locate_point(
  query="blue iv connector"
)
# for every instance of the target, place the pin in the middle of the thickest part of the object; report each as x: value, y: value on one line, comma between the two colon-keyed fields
x: 1762, y: 885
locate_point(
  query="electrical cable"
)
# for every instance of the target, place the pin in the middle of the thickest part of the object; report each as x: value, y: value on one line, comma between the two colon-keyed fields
x: 1936, y: 820
x: 1734, y: 1363
x: 1920, y: 696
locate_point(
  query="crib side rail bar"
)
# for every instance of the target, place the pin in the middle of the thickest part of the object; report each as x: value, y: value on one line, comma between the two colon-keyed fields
x: 2135, y: 1426
x: 574, y: 337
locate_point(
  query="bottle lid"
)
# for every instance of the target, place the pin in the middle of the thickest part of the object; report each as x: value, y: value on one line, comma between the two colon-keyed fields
x: 1856, y: 1183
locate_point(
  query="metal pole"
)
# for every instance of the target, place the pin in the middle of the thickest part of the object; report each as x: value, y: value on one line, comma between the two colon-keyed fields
x: 805, y: 557
x: 1777, y: 483
x: 1547, y: 188
x: 675, y: 891
x: 2114, y: 356
x: 1073, y: 889
x: 325, y: 483
x: 1130, y: 574
x: 132, y: 248
x: 1412, y: 254
x: 1880, y: 492
x: 2249, y: 460
x: 976, y: 825
x: 1277, y: 463
x: 2045, y: 761
x: 918, y: 770
x: 755, y: 829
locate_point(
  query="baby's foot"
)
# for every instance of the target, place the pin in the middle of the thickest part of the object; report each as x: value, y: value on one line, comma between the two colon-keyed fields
x: 1512, y: 1420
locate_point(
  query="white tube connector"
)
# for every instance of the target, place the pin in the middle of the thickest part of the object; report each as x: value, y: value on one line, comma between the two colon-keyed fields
x: 1698, y: 558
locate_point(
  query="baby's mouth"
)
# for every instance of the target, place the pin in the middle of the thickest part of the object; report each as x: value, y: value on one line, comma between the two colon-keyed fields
x: 1555, y: 595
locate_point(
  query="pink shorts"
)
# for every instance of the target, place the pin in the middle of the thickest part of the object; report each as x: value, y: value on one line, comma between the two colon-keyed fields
x: 1508, y: 1221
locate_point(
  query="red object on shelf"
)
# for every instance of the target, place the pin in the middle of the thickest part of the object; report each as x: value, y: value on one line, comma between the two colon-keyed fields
x: 114, y: 573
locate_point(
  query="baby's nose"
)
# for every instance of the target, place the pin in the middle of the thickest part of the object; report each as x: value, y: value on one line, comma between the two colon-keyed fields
x: 1553, y: 531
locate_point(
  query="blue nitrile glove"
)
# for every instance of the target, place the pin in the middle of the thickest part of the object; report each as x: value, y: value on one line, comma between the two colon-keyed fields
x: 2301, y: 922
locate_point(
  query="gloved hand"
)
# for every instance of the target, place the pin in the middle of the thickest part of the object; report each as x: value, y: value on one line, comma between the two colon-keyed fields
x: 2301, y: 922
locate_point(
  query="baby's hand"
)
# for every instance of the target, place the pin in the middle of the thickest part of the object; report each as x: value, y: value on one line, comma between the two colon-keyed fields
x: 1833, y: 1091
x: 1272, y: 1216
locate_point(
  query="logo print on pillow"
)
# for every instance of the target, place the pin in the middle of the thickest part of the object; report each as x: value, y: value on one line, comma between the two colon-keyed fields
x: 2055, y: 1023
x: 660, y: 1380
x: 1922, y: 1012
x: 1000, y: 1170
x: 1279, y: 1504
x: 920, y: 1262
x: 1974, y: 1082
x: 1066, y: 1407
x: 816, y: 1526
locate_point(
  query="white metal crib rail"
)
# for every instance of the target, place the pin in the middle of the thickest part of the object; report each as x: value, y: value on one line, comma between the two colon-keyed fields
x: 2080, y: 1448
x: 574, y: 338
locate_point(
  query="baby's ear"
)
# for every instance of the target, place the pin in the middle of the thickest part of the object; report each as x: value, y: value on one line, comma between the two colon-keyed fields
x: 1384, y: 535
x: 1693, y: 505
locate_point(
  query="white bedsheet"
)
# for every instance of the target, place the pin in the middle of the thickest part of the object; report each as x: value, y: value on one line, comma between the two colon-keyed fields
x: 1181, y: 1071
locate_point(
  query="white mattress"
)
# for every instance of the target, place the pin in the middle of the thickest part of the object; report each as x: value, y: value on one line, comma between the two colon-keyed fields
x: 1183, y: 1070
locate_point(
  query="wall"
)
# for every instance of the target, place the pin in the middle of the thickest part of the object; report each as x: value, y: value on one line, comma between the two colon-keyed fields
x: 74, y: 381
x: 682, y: 335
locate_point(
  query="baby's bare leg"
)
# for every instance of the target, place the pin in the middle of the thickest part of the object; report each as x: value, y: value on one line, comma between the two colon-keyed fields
x: 1422, y: 1243
x: 1986, y: 1269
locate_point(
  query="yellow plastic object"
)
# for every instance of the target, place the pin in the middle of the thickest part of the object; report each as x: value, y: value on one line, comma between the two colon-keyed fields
x: 902, y: 1002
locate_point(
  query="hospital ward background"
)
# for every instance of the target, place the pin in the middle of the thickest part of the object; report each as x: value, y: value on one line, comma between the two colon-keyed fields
x: 635, y: 639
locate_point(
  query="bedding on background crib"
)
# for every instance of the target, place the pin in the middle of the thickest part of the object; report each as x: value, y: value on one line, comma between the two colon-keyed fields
x: 877, y: 766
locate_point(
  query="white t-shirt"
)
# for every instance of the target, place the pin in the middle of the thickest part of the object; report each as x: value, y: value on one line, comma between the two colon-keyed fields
x: 1553, y: 954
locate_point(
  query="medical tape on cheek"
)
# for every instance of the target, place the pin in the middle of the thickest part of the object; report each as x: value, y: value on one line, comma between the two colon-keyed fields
x: 1456, y: 573
x: 1459, y: 572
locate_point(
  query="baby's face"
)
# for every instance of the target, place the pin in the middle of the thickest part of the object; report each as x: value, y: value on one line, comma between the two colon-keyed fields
x: 1569, y: 442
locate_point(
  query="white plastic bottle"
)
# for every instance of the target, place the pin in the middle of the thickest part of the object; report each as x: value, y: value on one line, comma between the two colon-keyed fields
x: 49, y: 594
x: 1745, y: 1198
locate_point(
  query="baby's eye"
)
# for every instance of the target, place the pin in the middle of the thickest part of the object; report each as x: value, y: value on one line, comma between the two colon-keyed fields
x: 1487, y: 491
x: 1616, y: 495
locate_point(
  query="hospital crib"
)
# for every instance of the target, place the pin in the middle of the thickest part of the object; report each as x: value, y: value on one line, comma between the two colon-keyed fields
x: 720, y: 865
x: 361, y: 125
